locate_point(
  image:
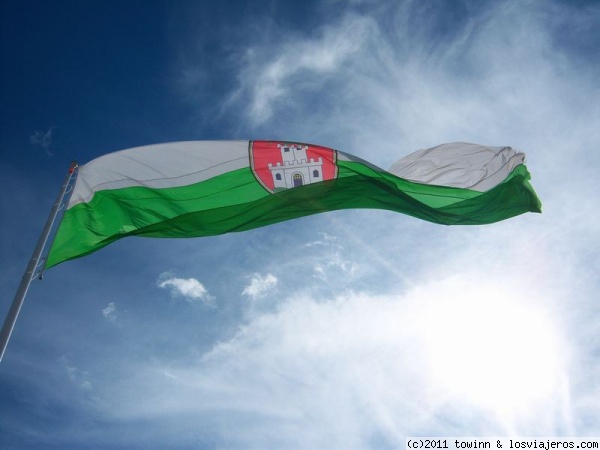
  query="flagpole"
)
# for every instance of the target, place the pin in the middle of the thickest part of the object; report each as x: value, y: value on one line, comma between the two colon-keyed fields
x: 34, y: 263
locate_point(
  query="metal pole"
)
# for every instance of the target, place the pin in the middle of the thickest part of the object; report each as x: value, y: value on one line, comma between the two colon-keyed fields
x: 11, y: 317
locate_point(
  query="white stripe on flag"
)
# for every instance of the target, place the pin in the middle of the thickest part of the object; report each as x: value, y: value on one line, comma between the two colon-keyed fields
x: 168, y: 165
x: 459, y: 164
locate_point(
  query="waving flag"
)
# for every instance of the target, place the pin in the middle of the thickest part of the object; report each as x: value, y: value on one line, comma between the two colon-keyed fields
x: 190, y: 189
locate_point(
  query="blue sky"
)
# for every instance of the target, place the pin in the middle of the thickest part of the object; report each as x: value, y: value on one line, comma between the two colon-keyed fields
x: 351, y: 329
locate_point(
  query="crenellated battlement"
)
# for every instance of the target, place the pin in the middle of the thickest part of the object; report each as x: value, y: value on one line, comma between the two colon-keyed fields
x: 301, y: 163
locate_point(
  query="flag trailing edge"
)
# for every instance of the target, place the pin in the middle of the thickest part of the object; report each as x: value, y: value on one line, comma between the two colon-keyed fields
x: 204, y: 188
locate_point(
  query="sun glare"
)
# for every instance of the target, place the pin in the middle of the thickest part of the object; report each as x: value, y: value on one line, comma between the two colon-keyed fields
x: 493, y: 351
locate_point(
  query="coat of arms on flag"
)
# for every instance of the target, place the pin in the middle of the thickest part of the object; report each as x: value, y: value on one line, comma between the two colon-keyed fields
x: 285, y: 165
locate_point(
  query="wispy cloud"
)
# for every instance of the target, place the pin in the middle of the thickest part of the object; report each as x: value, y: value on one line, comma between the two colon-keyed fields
x: 330, y: 260
x: 188, y: 288
x: 298, y: 62
x: 406, y: 79
x: 110, y: 312
x: 77, y: 376
x: 43, y: 140
x: 260, y: 285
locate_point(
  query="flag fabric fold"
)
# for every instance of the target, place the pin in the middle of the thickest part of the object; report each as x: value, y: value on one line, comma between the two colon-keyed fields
x: 204, y: 188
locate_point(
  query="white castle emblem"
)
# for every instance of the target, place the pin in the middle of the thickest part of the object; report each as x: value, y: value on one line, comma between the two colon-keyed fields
x: 296, y: 169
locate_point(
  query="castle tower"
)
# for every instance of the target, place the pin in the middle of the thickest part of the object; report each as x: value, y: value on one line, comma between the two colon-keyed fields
x: 291, y: 153
x: 296, y: 169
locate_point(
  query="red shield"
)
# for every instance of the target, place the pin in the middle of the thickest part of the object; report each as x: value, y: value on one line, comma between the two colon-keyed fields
x: 280, y: 165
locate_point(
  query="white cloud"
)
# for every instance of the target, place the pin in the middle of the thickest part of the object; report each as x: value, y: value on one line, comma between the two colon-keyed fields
x: 326, y: 239
x: 189, y: 288
x: 110, y: 312
x: 43, y: 140
x: 334, y: 262
x: 260, y: 285
x: 330, y: 260
x: 80, y: 378
x: 271, y: 72
x: 359, y: 371
x: 495, y: 77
